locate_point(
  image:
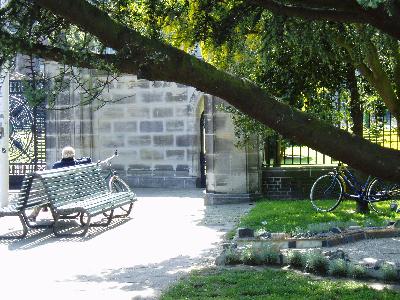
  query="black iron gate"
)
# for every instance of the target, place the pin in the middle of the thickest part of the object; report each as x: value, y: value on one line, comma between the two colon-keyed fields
x: 27, y: 147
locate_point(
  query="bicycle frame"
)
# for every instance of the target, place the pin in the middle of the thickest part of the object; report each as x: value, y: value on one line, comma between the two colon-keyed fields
x: 359, y: 190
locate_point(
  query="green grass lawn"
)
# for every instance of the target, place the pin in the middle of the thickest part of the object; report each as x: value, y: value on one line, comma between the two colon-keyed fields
x: 269, y: 284
x: 289, y: 215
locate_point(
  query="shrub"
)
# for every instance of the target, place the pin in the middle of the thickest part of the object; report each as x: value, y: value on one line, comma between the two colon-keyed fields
x: 296, y: 259
x: 267, y: 254
x: 338, y: 267
x: 389, y: 272
x: 248, y: 256
x: 316, y: 262
x: 231, y: 257
x: 357, y: 271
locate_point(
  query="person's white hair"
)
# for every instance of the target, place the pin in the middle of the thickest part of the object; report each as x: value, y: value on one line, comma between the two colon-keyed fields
x: 68, y: 152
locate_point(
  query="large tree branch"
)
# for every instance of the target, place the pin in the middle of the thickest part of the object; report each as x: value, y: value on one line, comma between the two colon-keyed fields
x: 331, y: 4
x: 394, y: 45
x: 381, y: 82
x: 371, y: 68
x: 157, y: 61
x: 312, y: 12
x: 345, y: 12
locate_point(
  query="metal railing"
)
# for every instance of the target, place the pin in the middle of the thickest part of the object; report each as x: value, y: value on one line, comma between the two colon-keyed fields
x: 381, y: 130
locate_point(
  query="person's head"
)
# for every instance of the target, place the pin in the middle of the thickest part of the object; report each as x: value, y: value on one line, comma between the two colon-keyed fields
x: 68, y: 152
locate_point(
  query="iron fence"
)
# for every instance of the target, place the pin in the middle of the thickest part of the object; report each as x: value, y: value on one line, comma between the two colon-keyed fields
x: 381, y: 129
x: 27, y: 148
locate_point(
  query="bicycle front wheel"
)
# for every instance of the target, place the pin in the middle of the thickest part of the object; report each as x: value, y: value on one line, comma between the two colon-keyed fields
x: 117, y: 185
x: 384, y: 198
x: 326, y: 193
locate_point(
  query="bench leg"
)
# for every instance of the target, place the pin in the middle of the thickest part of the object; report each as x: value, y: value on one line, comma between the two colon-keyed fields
x: 35, y: 226
x: 109, y: 219
x: 85, y: 227
x: 20, y: 236
x: 127, y: 212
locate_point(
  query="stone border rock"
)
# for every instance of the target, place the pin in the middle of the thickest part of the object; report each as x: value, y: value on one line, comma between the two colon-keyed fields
x: 244, y: 237
x: 284, y: 244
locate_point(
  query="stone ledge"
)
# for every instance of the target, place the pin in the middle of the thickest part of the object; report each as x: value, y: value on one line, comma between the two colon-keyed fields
x: 161, y: 182
x: 219, y: 199
x: 344, y: 238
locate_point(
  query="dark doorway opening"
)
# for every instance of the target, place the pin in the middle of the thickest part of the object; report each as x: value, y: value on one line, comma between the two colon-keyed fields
x: 203, y: 170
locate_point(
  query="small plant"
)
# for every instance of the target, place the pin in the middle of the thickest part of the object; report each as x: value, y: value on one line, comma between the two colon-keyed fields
x: 357, y: 271
x: 230, y: 234
x: 389, y: 272
x: 296, y: 259
x: 338, y: 267
x: 249, y: 257
x: 231, y: 257
x: 317, y: 262
x: 259, y: 255
x: 318, y: 227
x: 371, y: 223
x: 267, y: 254
x: 297, y: 230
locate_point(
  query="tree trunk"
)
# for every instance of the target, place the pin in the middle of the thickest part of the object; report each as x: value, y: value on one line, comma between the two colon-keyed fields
x: 356, y: 110
x: 356, y: 113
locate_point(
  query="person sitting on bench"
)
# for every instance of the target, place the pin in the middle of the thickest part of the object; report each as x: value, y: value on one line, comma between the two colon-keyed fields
x: 67, y: 160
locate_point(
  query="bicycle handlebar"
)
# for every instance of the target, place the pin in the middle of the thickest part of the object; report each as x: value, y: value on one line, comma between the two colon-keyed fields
x: 107, y: 160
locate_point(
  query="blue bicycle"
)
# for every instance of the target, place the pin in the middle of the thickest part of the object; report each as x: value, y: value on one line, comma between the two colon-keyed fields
x: 329, y: 190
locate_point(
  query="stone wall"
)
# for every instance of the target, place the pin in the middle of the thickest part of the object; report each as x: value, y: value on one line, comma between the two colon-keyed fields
x: 154, y: 126
x: 156, y: 130
x: 290, y: 183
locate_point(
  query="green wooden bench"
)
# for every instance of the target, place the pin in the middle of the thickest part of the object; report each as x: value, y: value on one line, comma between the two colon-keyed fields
x: 30, y: 196
x: 82, y: 190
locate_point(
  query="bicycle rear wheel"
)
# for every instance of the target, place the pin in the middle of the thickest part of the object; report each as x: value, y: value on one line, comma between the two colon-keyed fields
x: 383, y: 198
x: 326, y: 193
x: 117, y: 185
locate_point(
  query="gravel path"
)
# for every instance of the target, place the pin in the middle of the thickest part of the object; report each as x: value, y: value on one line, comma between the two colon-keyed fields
x: 169, y: 233
x: 387, y: 249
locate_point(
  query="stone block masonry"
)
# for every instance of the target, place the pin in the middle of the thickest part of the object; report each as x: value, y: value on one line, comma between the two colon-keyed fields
x: 154, y: 126
x: 290, y: 183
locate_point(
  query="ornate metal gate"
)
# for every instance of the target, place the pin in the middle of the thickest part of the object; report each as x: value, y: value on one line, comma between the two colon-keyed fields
x: 27, y: 148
